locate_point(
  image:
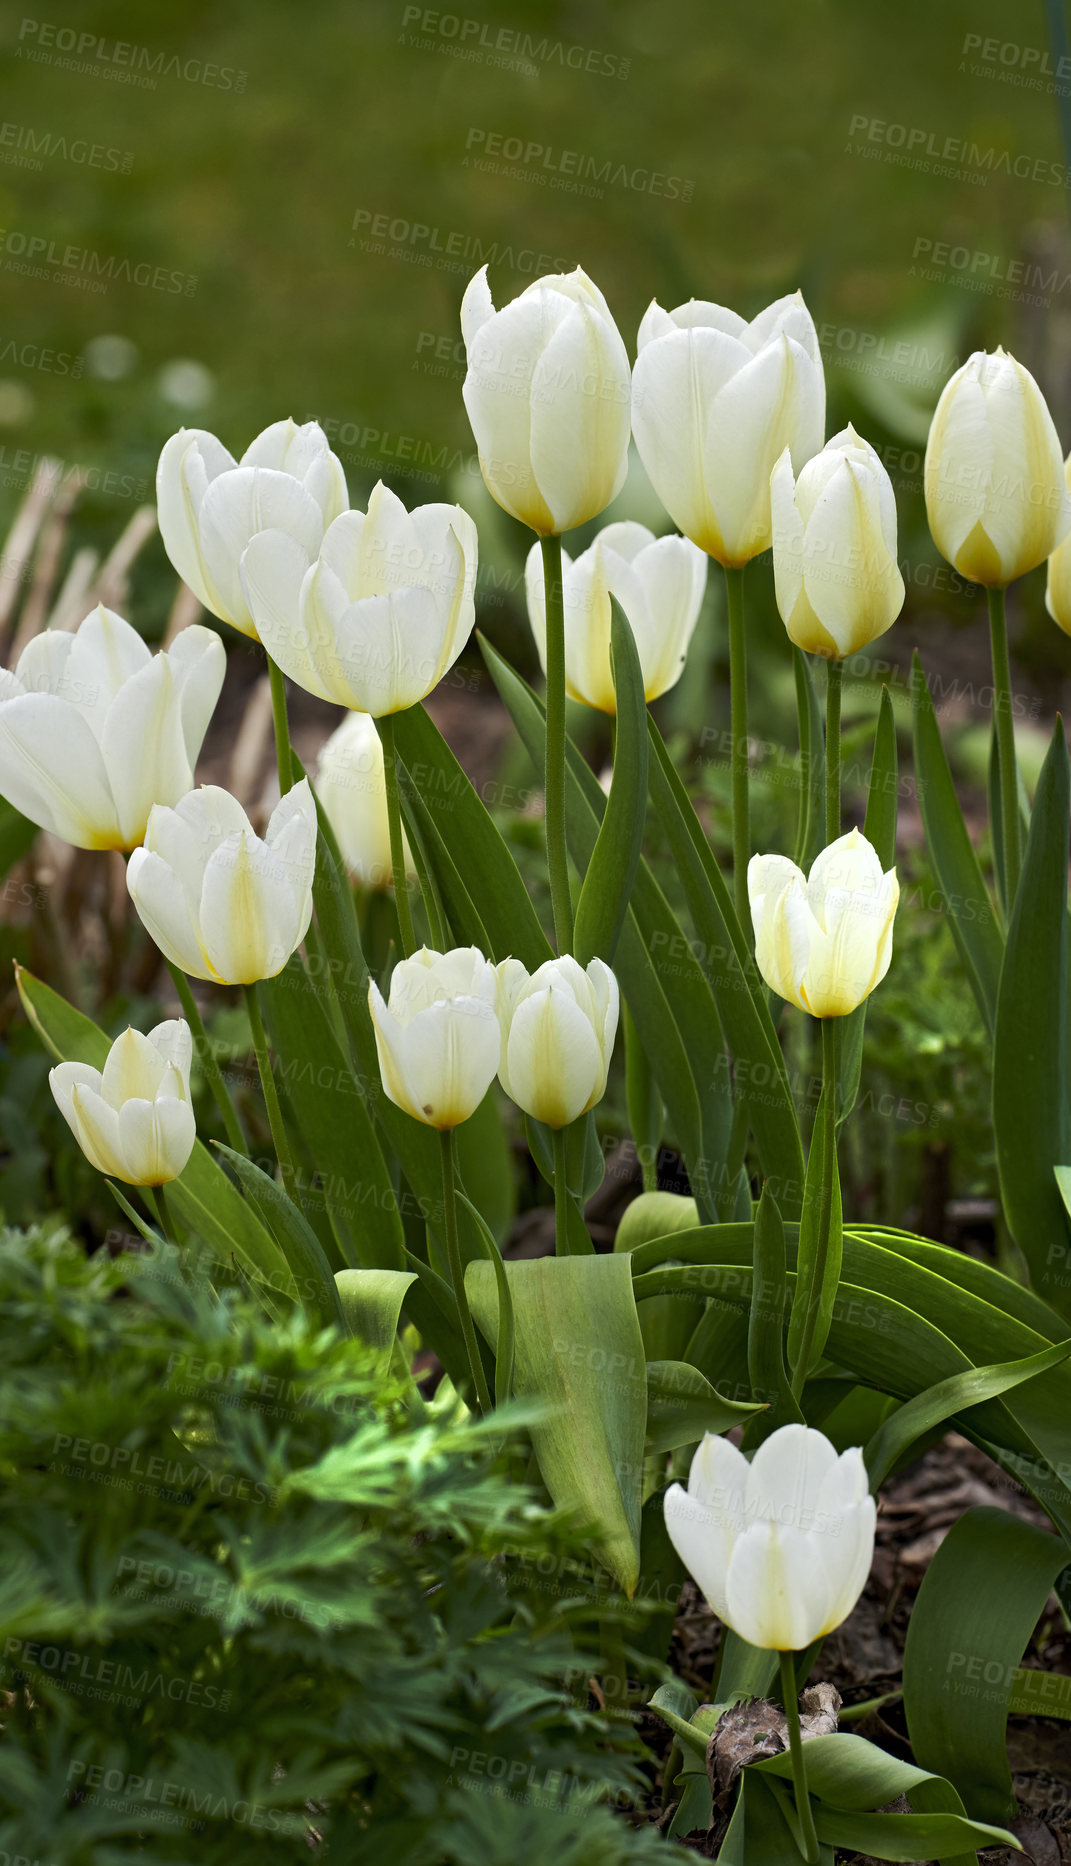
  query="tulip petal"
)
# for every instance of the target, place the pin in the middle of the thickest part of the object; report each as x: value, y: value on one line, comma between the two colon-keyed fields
x: 199, y: 662
x: 496, y: 393
x: 675, y: 384
x: 786, y: 1475
x: 173, y: 1042
x: 165, y: 912
x: 250, y: 917
x: 778, y: 1586
x: 51, y: 768
x: 235, y: 508
x: 134, y: 1069
x: 156, y: 1138
x: 704, y: 1545
x: 144, y: 748
x: 581, y: 417
x: 388, y: 651
x: 274, y: 573
x: 63, y: 1079
x: 477, y: 306
x: 97, y: 1132
x: 189, y: 461
x: 440, y: 1066
x: 555, y: 1064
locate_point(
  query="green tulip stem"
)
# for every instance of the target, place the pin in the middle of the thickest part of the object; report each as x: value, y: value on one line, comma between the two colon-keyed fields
x: 827, y: 1110
x: 1003, y: 726
x: 808, y: 1837
x: 554, y: 767
x: 734, y: 586
x: 271, y: 1097
x: 833, y: 684
x: 282, y: 729
x: 457, y: 1274
x: 163, y: 1215
x: 206, y: 1056
x: 561, y: 1195
x: 385, y: 728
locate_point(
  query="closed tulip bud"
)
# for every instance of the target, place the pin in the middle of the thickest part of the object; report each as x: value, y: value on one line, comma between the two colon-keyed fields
x: 824, y: 941
x: 133, y: 1120
x: 715, y: 402
x: 437, y: 1035
x: 95, y: 729
x: 547, y: 393
x: 781, y: 1547
x: 837, y: 580
x: 210, y: 505
x: 221, y: 903
x: 379, y: 614
x: 1058, y: 582
x: 996, y: 497
x: 352, y: 791
x: 558, y: 1030
x: 659, y: 583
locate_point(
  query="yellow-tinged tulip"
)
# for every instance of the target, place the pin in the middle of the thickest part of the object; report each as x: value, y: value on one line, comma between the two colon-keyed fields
x: 210, y: 505
x: 996, y: 497
x: 95, y: 728
x: 836, y: 577
x: 715, y: 402
x: 133, y: 1120
x: 220, y: 902
x: 352, y: 790
x: 659, y: 583
x: 437, y: 1035
x: 781, y: 1547
x: 377, y: 615
x: 558, y: 1029
x: 1058, y: 582
x: 824, y: 941
x: 547, y: 392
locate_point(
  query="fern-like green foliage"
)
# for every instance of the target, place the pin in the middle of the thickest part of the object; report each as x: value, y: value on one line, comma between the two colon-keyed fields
x: 255, y: 1606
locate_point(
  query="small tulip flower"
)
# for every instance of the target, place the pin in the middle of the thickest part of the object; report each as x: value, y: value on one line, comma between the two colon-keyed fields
x: 220, y: 902
x: 95, y: 728
x: 210, y: 505
x: 715, y: 402
x: 133, y: 1120
x: 547, y: 392
x: 558, y: 1029
x: 374, y: 616
x: 437, y: 1034
x: 996, y: 496
x: 824, y: 941
x: 780, y: 1547
x: 659, y: 583
x: 1058, y: 581
x: 351, y: 787
x: 836, y: 577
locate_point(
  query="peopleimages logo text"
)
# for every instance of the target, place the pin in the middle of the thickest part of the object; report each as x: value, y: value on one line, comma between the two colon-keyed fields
x: 119, y: 58
x: 40, y: 255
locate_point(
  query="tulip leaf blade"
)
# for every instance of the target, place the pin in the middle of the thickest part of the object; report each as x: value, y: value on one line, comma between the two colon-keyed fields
x: 979, y: 1602
x: 578, y: 1350
x: 879, y: 828
x: 294, y: 1235
x: 810, y: 835
x: 506, y: 1338
x: 820, y: 1247
x: 682, y: 1405
x: 1030, y: 1075
x: 607, y: 885
x: 371, y: 1302
x: 956, y: 866
x: 766, y: 1322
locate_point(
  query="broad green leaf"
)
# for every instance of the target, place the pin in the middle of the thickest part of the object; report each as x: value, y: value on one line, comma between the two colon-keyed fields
x: 1030, y: 1084
x: 482, y: 1158
x: 1035, y: 1693
x: 810, y: 823
x: 463, y: 916
x: 654, y: 1216
x: 642, y: 1096
x: 578, y: 1350
x: 819, y: 1249
x: 879, y: 828
x: 372, y: 1305
x: 979, y: 1602
x: 294, y: 1235
x: 682, y: 1405
x: 970, y: 1273
x: 955, y: 864
x: 766, y: 1322
x: 607, y: 885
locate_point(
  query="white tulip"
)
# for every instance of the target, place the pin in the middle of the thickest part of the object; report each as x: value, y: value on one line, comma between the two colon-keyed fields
x: 781, y: 1547
x: 221, y: 903
x: 836, y: 577
x: 547, y: 393
x: 376, y: 615
x: 210, y: 505
x: 824, y: 941
x: 352, y: 791
x: 1058, y: 580
x: 996, y: 497
x: 659, y: 583
x: 558, y: 1029
x: 95, y: 728
x: 715, y: 402
x: 133, y: 1121
x: 437, y: 1036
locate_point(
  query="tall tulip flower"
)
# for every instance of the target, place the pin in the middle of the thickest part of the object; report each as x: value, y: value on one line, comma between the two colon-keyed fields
x: 836, y: 577
x: 558, y: 1029
x: 133, y: 1120
x: 824, y: 941
x: 659, y: 583
x: 95, y: 728
x: 351, y: 787
x: 210, y: 505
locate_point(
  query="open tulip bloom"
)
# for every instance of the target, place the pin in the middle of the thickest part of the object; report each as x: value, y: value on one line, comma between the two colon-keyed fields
x: 95, y: 729
x: 351, y: 788
x: 133, y: 1119
x: 558, y: 1029
x: 210, y: 505
x: 659, y: 583
x: 836, y: 577
x: 824, y: 941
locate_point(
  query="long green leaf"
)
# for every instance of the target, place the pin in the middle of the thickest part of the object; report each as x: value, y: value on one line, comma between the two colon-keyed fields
x: 766, y: 1320
x: 682, y: 1405
x: 294, y: 1235
x: 607, y: 886
x: 810, y: 830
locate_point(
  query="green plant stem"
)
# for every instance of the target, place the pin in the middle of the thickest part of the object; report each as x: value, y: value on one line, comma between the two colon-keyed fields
x: 1004, y: 727
x: 271, y: 1097
x: 561, y: 1196
x: 734, y: 586
x: 282, y: 729
x: 163, y: 1212
x: 457, y: 1273
x: 833, y: 685
x: 808, y: 1837
x: 554, y: 765
x: 385, y: 728
x: 206, y: 1057
x: 825, y: 1211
